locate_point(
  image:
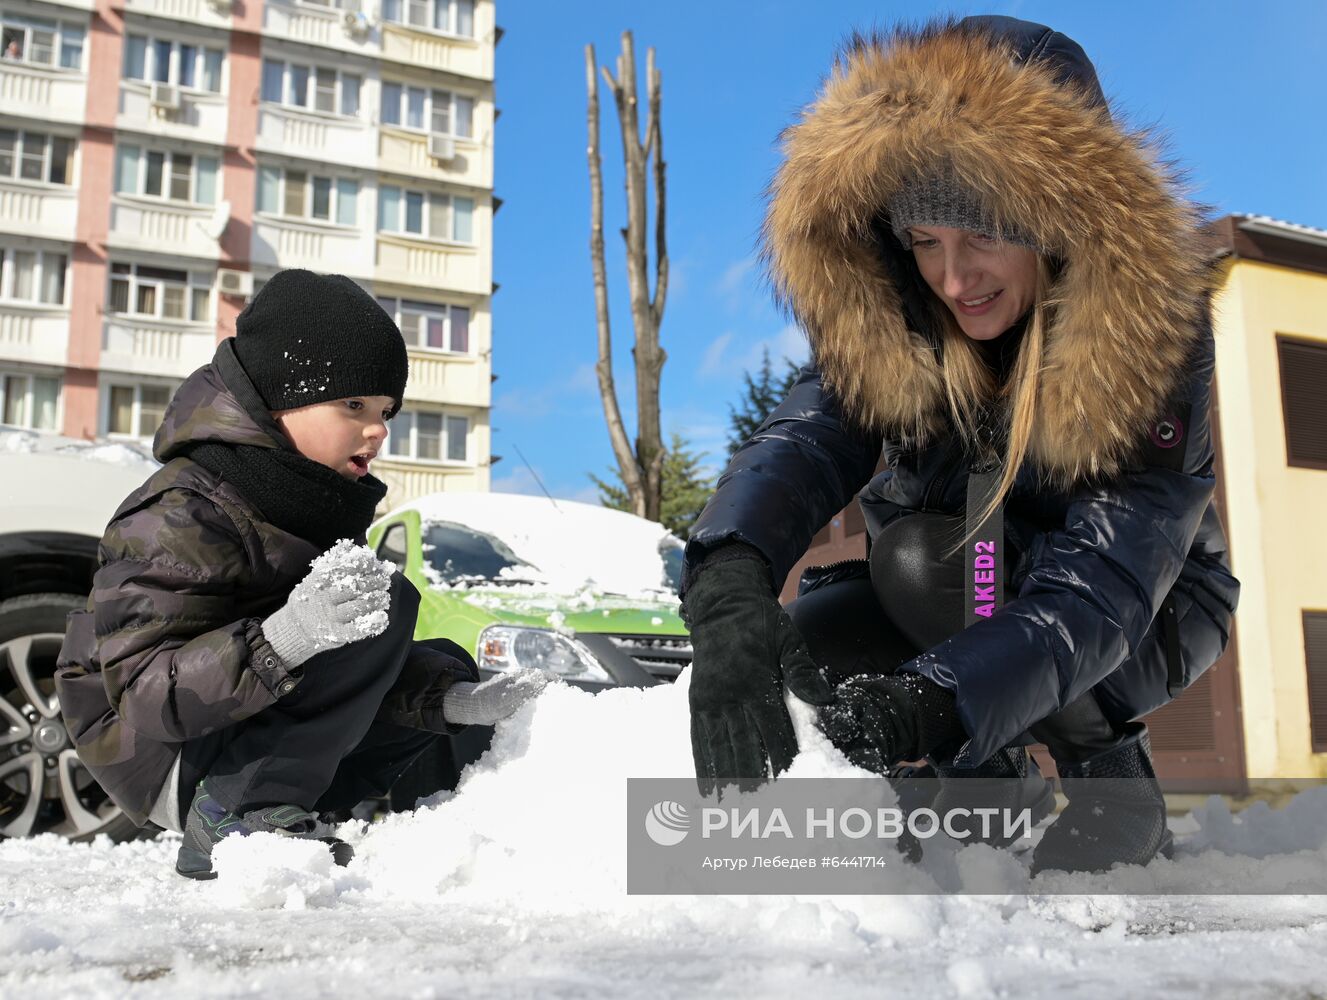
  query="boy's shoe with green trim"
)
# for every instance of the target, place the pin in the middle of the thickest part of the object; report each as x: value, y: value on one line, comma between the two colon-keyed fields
x: 209, y: 822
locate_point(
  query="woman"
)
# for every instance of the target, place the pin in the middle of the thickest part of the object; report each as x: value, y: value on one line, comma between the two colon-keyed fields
x: 1004, y: 292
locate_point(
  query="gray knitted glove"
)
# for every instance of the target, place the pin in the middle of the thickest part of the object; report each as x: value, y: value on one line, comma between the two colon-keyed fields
x: 344, y: 598
x: 497, y: 698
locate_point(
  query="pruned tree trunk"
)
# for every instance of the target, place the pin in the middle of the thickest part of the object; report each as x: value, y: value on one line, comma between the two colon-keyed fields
x: 641, y: 468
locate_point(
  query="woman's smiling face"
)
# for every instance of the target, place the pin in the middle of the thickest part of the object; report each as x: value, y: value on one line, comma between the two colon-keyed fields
x: 988, y: 285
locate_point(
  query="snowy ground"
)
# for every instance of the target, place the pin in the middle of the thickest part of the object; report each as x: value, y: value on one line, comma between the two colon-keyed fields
x: 516, y: 887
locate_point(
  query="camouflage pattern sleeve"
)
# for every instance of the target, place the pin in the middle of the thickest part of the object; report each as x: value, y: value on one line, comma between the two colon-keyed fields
x: 178, y: 660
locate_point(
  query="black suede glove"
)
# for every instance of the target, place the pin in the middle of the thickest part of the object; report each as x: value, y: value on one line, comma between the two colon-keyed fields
x: 745, y: 650
x: 878, y: 721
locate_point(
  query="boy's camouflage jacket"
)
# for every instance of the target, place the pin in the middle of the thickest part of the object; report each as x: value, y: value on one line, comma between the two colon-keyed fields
x: 170, y: 646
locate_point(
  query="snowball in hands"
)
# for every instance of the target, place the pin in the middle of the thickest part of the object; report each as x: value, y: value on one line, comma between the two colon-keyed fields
x: 344, y: 598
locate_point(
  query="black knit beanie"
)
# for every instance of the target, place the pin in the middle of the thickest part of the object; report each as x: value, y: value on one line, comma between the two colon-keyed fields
x: 307, y: 338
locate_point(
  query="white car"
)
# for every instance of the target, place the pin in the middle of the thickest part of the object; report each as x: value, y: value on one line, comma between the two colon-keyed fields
x: 56, y: 496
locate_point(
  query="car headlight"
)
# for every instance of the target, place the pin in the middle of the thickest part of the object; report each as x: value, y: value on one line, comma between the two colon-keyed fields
x: 508, y: 647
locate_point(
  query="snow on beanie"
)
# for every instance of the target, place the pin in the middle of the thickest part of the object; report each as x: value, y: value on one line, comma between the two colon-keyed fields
x: 307, y: 338
x: 941, y: 200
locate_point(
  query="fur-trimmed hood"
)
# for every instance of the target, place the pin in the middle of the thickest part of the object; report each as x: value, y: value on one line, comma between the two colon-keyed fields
x: 1015, y: 111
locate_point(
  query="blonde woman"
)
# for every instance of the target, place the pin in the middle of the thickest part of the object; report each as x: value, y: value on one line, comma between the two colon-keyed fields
x: 1006, y: 298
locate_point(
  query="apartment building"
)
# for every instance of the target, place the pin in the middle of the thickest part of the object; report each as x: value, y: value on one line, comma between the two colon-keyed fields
x: 1261, y: 711
x: 161, y: 159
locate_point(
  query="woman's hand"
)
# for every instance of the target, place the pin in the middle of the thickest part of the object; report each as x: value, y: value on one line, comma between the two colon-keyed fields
x: 745, y: 650
x: 878, y: 721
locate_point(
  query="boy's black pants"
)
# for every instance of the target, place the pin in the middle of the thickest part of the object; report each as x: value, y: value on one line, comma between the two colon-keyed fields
x: 319, y: 747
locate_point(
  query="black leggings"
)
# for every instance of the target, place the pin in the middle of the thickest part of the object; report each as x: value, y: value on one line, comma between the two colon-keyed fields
x: 848, y: 633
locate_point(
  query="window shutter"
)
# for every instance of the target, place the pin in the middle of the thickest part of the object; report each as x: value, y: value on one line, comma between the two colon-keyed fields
x: 1304, y: 401
x: 1315, y: 660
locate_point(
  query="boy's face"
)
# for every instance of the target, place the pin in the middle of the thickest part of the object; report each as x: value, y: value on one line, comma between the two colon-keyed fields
x: 343, y: 434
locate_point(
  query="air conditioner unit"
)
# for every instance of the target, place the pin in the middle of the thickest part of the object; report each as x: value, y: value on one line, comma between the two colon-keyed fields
x: 442, y: 147
x: 165, y: 97
x: 355, y: 23
x: 231, y: 282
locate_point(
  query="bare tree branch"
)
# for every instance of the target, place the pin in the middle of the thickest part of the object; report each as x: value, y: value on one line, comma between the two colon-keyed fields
x: 617, y: 434
x: 642, y: 474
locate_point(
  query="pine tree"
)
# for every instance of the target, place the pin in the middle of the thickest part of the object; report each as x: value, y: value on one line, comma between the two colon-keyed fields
x: 685, y: 488
x: 763, y: 393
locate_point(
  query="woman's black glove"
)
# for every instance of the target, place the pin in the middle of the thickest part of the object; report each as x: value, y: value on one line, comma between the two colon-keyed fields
x: 745, y: 650
x: 878, y: 721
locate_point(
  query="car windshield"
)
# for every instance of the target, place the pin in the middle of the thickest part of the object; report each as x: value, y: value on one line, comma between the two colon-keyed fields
x: 565, y: 558
x: 461, y: 555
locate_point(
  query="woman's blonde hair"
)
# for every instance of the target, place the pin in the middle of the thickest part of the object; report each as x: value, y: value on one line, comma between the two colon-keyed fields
x: 975, y: 396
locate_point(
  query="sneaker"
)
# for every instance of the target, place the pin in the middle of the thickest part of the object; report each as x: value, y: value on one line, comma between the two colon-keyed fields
x: 209, y: 822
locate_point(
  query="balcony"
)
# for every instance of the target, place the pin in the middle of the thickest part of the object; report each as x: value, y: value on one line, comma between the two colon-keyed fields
x: 318, y: 246
x: 442, y: 266
x: 193, y: 11
x: 35, y: 333
x: 432, y: 50
x: 201, y: 115
x: 317, y: 26
x: 458, y: 379
x: 406, y: 482
x: 52, y: 95
x: 150, y: 347
x: 406, y: 152
x: 43, y: 210
x: 149, y: 224
x: 326, y: 138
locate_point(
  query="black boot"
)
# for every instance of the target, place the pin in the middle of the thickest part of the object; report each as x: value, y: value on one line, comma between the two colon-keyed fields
x: 1116, y: 813
x: 1009, y: 781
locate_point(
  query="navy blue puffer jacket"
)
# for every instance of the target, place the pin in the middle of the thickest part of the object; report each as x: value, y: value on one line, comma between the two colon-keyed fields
x: 1112, y: 511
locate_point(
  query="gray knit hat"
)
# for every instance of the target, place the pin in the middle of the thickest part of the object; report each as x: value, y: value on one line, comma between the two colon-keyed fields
x: 940, y: 200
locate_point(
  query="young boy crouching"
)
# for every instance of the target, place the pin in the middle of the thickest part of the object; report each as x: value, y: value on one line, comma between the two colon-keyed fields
x: 216, y: 685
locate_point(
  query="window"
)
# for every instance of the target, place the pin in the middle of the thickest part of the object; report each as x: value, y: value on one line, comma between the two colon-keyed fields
x: 36, y: 276
x: 160, y: 293
x: 1304, y: 401
x: 393, y: 545
x: 432, y: 325
x: 29, y: 401
x: 456, y: 17
x: 435, y: 110
x: 313, y: 87
x: 136, y: 410
x: 34, y: 156
x: 437, y: 216
x: 297, y: 194
x: 41, y: 43
x: 159, y: 60
x: 1315, y: 658
x: 429, y: 437
x: 151, y: 173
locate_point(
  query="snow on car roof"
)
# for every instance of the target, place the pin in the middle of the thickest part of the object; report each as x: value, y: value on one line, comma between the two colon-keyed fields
x: 573, y: 544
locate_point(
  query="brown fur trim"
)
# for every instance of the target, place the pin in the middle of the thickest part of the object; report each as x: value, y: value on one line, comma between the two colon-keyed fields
x: 1041, y: 156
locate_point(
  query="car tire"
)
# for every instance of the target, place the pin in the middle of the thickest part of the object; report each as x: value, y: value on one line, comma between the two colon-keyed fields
x: 44, y: 788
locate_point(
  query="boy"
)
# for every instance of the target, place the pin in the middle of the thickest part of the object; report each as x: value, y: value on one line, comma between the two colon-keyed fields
x: 209, y: 688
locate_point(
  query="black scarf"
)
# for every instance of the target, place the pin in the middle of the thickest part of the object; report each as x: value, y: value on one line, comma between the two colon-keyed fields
x: 297, y: 494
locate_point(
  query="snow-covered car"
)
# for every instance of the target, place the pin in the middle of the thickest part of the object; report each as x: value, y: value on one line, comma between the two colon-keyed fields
x: 56, y: 496
x: 587, y: 592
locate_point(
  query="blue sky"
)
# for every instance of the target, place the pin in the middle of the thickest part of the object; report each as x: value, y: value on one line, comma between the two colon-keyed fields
x: 1237, y: 88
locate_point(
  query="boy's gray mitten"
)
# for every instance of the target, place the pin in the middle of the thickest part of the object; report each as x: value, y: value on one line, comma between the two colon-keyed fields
x: 497, y: 698
x: 344, y: 598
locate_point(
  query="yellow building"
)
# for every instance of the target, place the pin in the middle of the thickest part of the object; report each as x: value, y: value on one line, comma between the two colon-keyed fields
x: 1270, y: 320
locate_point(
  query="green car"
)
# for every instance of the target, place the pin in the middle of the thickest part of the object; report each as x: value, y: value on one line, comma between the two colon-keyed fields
x: 587, y: 592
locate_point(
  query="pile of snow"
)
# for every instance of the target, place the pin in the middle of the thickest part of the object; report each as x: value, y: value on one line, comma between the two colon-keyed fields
x: 572, y: 548
x: 515, y: 885
x: 354, y: 570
